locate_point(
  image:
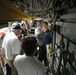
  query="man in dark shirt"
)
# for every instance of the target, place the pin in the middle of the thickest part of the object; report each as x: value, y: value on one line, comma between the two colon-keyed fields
x: 46, y: 36
x: 47, y: 39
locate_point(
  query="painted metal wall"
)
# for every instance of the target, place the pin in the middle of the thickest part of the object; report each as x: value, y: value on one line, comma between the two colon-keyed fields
x: 65, y: 28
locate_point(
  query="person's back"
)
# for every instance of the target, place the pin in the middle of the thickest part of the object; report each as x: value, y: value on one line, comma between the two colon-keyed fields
x: 27, y: 64
x: 8, y: 45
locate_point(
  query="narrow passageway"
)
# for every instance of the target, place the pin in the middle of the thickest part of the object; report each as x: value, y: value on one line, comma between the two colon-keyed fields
x: 51, y: 23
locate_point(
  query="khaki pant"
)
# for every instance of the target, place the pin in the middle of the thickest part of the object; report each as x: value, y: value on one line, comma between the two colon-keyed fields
x: 49, y: 50
x: 13, y: 69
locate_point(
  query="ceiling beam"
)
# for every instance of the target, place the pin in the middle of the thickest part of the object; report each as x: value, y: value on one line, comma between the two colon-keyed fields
x: 10, y: 11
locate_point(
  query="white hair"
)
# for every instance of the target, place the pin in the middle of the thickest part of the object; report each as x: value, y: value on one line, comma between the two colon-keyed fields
x: 38, y: 31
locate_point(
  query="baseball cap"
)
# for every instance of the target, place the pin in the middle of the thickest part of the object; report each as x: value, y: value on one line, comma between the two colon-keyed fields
x: 16, y: 25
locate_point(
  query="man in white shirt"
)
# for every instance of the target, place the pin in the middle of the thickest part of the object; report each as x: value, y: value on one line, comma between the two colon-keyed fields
x: 27, y: 64
x: 11, y: 45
